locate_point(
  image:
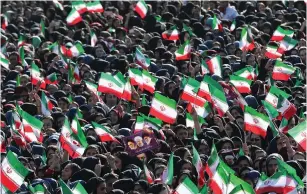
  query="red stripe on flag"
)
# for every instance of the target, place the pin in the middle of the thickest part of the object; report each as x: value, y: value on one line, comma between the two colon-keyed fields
x: 255, y: 129
x: 161, y: 116
x: 8, y: 182
x: 280, y: 76
x: 215, y: 187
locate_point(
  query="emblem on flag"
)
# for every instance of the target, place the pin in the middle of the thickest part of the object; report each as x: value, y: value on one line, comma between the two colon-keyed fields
x: 162, y: 108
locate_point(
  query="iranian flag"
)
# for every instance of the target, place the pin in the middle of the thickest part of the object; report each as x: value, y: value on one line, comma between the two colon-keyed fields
x: 22, y: 57
x: 171, y: 34
x: 204, y: 67
x: 213, y: 162
x: 242, y: 188
x: 284, y: 167
x: 145, y: 121
x: 189, y: 94
x: 93, y: 88
x: 37, y: 189
x: 74, y: 51
x: 204, y: 88
x: 233, y: 26
x: 283, y: 127
x: 80, y: 6
x: 202, y: 111
x: 54, y: 47
x: 163, y: 108
x: 190, y: 122
x: 141, y: 8
x: 51, y: 79
x: 280, y: 33
x: 149, y: 81
x: 279, y: 182
x: 31, y: 127
x: 46, y: 105
x: 79, y: 189
x: 247, y: 73
x: 136, y: 77
x: 71, y: 142
x: 286, y: 108
x: 242, y: 84
x: 200, y: 168
x: 93, y: 36
x: 103, y: 133
x: 218, y: 182
x: 246, y: 41
x: 13, y: 172
x: 127, y: 94
x: 286, y: 44
x: 219, y: 101
x: 36, y: 76
x: 184, y: 51
x: 147, y: 174
x: 4, y: 22
x: 42, y: 27
x: 272, y: 96
x: 108, y: 84
x: 21, y: 40
x: 139, y: 124
x: 282, y: 71
x: 94, y: 7
x: 271, y: 52
x: 255, y: 122
x: 65, y: 188
x: 73, y: 17
x: 270, y: 110
x: 299, y: 134
x: 58, y: 4
x: 76, y: 128
x: 168, y: 173
x: 77, y: 73
x: 216, y: 24
x: 186, y: 187
x: 4, y: 62
x: 215, y: 65
x: 140, y: 59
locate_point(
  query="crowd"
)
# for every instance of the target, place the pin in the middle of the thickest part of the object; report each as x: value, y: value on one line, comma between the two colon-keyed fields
x: 157, y: 97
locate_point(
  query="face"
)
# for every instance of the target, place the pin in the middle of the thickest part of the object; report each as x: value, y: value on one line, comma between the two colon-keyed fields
x: 60, y: 122
x: 272, y: 167
x: 255, y: 140
x: 182, y: 134
x: 228, y: 130
x: 131, y: 145
x: 251, y: 60
x: 91, y: 152
x: 240, y: 122
x: 203, y: 149
x: 47, y: 123
x: 184, y: 69
x: 24, y: 81
x: 243, y: 163
x: 66, y: 172
x: 139, y: 189
x: 227, y: 146
x: 261, y: 7
x: 111, y: 100
x: 260, y: 154
x: 113, y: 117
x: 186, y: 166
x: 159, y: 172
x: 118, y: 163
x: 101, y: 189
x: 302, y: 54
x: 91, y: 132
x: 63, y: 105
x: 67, y: 88
x: 171, y: 88
x: 109, y: 184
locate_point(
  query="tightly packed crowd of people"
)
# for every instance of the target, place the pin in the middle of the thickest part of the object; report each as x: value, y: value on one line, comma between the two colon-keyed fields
x: 157, y: 97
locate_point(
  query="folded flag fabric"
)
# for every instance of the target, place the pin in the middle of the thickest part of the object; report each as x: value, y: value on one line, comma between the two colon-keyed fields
x: 186, y: 187
x: 73, y: 17
x: 284, y: 167
x: 74, y: 51
x: 141, y: 8
x: 136, y: 77
x: 13, y: 172
x: 93, y: 36
x: 242, y: 84
x: 204, y: 67
x: 219, y: 101
x: 233, y: 26
x: 299, y: 135
x: 282, y: 71
x: 184, y: 51
x: 36, y: 76
x: 255, y: 122
x: 171, y: 34
x: 279, y: 182
x: 141, y: 59
x: 51, y: 79
x: 270, y: 110
x: 73, y: 143
x: 215, y: 65
x: 108, y: 84
x: 163, y: 108
x: 200, y: 168
x: 5, y: 22
x: 280, y: 33
x: 202, y: 111
x: 46, y: 105
x: 190, y: 121
x: 274, y: 93
x: 205, y: 85
x: 21, y: 40
x: 286, y: 108
x: 94, y: 7
x: 149, y: 81
x: 189, y: 93
x: 80, y: 6
x: 286, y: 44
x: 4, y: 61
x: 168, y: 173
x: 103, y: 133
x: 271, y: 52
x: 22, y: 56
x: 247, y: 73
x: 216, y: 24
x: 246, y: 41
x: 58, y: 4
